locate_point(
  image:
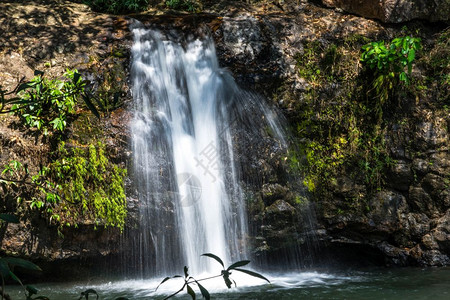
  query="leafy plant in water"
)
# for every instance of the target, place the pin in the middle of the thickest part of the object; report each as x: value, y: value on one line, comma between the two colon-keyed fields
x: 225, y: 274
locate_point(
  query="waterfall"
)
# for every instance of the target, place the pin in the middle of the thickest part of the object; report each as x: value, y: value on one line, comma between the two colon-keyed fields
x: 186, y: 169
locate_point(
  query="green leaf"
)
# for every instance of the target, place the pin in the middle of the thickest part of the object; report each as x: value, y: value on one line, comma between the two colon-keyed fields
x: 214, y: 257
x: 22, y: 263
x: 226, y: 278
x: 24, y: 86
x: 186, y: 272
x: 204, y: 291
x: 87, y: 292
x: 14, y: 277
x: 411, y: 55
x: 116, y: 99
x: 4, y: 268
x: 91, y: 106
x: 164, y: 280
x: 37, y: 73
x: 76, y: 77
x: 9, y: 218
x: 238, y: 264
x: 190, y: 292
x: 31, y: 289
x: 254, y: 274
x: 41, y: 298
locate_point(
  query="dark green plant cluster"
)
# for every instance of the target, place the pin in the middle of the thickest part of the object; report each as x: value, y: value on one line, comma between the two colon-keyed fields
x: 118, y: 6
x: 186, y: 5
x: 47, y: 104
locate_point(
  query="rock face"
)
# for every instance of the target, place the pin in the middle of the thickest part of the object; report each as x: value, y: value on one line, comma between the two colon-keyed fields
x: 395, y: 11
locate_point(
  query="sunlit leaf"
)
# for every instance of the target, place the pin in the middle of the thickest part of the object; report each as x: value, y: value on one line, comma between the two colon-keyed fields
x: 254, y: 274
x: 238, y: 264
x: 190, y: 291
x: 214, y: 257
x: 9, y: 218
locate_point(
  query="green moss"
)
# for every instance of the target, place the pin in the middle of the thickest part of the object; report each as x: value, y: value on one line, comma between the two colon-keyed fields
x: 335, y: 125
x: 91, y: 187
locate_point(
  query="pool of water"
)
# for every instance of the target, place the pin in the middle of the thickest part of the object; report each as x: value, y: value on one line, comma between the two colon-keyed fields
x: 405, y: 283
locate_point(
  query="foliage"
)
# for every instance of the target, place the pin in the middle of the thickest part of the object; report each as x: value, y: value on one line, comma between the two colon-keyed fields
x: 186, y: 5
x: 225, y: 274
x: 336, y: 129
x: 391, y: 64
x: 7, y: 265
x: 78, y: 182
x: 46, y: 104
x: 117, y: 6
x: 86, y: 294
x: 90, y: 184
x: 438, y: 61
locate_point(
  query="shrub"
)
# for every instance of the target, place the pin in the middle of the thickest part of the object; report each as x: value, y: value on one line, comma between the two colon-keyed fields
x: 117, y: 6
x: 46, y: 104
x: 392, y: 63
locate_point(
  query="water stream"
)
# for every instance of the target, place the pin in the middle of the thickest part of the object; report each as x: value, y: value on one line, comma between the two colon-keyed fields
x: 185, y: 165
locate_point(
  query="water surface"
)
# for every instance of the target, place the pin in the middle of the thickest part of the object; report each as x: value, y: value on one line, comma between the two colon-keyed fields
x: 405, y: 283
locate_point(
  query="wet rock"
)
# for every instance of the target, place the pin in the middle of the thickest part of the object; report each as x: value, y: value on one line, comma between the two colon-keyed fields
x: 272, y: 192
x: 395, y: 11
x: 415, y: 226
x: 420, y: 166
x: 441, y: 234
x: 429, y: 242
x: 400, y: 176
x: 420, y: 201
x: 394, y: 255
x: 385, y: 209
x: 431, y: 134
x: 434, y: 258
x: 242, y: 37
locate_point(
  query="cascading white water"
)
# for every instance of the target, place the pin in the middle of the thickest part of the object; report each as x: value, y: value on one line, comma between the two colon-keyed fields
x: 184, y: 166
